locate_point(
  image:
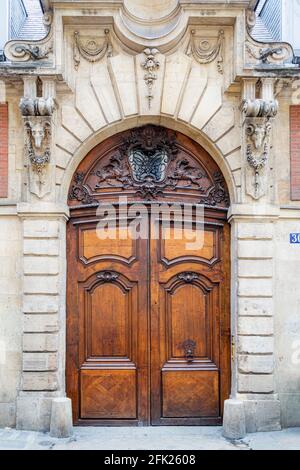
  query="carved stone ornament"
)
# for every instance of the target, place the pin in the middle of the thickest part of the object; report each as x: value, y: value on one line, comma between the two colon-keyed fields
x: 259, y: 108
x: 250, y: 19
x: 207, y: 50
x: 148, y: 164
x: 150, y: 65
x: 37, y: 118
x: 93, y: 49
x: 273, y: 53
x: 26, y: 51
x: 36, y: 106
x: 38, y: 151
x: 257, y: 152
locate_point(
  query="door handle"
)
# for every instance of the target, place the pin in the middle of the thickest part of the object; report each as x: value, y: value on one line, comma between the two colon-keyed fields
x: 189, y: 347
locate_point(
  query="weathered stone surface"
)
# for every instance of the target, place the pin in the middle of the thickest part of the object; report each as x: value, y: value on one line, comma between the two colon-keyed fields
x: 33, y: 413
x: 256, y: 345
x: 33, y: 362
x: 256, y: 364
x: 7, y: 415
x: 255, y: 268
x: 61, y: 424
x: 255, y: 307
x: 262, y: 415
x: 234, y: 422
x: 33, y: 342
x: 45, y: 323
x: 40, y: 228
x: 255, y: 287
x: 255, y: 249
x: 41, y: 265
x: 41, y: 247
x: 251, y: 383
x: 256, y: 326
x: 40, y: 381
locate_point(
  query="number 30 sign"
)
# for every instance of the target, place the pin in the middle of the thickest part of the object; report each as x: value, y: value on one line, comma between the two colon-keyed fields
x: 295, y: 238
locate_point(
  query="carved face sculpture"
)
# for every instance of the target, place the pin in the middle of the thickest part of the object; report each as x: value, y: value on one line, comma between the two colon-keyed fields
x: 258, y: 134
x: 38, y: 134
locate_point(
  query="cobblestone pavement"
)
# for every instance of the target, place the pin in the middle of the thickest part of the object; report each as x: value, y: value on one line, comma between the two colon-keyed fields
x: 155, y: 438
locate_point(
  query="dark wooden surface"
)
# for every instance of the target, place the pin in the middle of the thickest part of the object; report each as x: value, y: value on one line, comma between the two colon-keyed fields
x: 148, y: 321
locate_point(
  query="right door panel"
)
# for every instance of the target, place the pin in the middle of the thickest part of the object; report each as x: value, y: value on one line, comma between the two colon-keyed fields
x: 189, y: 318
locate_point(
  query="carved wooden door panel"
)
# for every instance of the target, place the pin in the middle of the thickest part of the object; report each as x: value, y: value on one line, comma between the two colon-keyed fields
x: 148, y: 318
x: 189, y: 324
x: 107, y: 361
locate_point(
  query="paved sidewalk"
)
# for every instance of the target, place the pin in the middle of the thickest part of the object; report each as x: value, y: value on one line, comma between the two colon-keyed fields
x: 154, y: 438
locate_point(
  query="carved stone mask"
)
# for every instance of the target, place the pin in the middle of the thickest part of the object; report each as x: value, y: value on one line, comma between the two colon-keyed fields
x: 38, y: 134
x: 258, y: 134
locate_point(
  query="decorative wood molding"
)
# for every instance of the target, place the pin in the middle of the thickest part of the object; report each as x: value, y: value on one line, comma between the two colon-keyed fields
x: 79, y: 192
x: 91, y: 48
x: 207, y: 50
x: 150, y: 65
x: 218, y: 193
x: 148, y: 163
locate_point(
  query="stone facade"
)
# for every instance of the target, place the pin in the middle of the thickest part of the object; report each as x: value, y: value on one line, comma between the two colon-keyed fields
x: 189, y: 66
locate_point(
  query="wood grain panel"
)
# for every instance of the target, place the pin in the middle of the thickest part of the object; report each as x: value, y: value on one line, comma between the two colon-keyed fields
x: 187, y: 323
x: 108, y: 394
x: 109, y: 321
x: 190, y: 394
x: 111, y: 242
x: 178, y: 243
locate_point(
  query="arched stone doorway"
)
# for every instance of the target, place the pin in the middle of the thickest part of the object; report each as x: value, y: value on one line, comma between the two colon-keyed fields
x: 148, y: 318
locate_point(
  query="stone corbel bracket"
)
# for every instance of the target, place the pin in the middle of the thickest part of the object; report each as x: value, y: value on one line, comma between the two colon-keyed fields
x: 30, y: 51
x: 258, y: 114
x: 268, y: 55
x: 206, y: 50
x: 37, y: 119
x: 92, y: 49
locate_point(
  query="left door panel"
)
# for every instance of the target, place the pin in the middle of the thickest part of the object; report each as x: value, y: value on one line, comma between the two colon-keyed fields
x: 107, y: 324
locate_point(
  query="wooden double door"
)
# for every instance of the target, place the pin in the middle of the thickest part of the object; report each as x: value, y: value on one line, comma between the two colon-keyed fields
x: 148, y: 339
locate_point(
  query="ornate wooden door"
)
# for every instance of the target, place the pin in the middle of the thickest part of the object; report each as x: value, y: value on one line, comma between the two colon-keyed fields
x: 147, y: 317
x: 189, y: 323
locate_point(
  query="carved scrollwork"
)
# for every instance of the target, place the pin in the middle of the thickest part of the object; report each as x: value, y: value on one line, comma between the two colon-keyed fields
x: 150, y: 65
x: 25, y: 51
x: 274, y: 53
x: 79, y: 192
x: 206, y: 50
x: 91, y: 49
x: 108, y: 276
x: 259, y: 108
x: 218, y: 193
x: 149, y: 163
x: 188, y: 277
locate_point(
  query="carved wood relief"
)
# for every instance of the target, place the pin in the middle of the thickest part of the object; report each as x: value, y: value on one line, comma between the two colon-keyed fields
x: 149, y: 163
